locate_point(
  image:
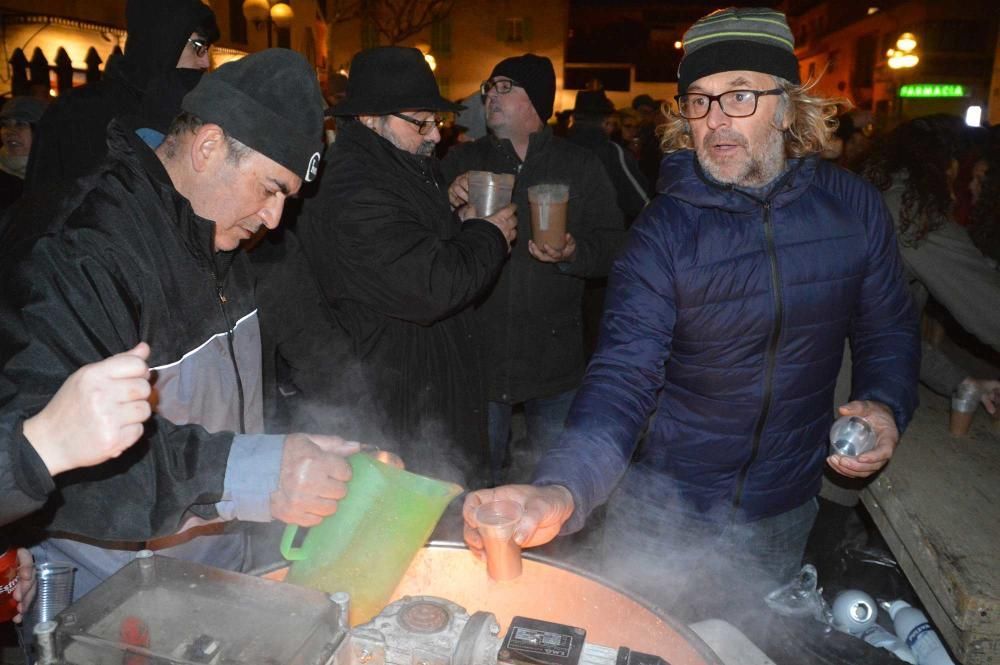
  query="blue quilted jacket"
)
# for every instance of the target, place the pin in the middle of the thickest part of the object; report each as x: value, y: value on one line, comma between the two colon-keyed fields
x: 725, y: 321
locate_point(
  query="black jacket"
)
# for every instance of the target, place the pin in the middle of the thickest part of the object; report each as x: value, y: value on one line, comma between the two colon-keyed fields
x: 621, y: 166
x: 11, y: 188
x: 532, y: 317
x: 126, y: 259
x: 70, y: 139
x: 400, y: 273
x: 304, y: 353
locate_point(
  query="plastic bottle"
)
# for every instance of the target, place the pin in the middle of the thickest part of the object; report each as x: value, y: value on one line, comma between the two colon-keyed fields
x: 877, y: 636
x: 913, y: 628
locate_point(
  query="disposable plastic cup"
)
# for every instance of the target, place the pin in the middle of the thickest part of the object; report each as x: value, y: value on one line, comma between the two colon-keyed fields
x: 964, y: 402
x: 496, y: 522
x: 850, y: 436
x: 54, y: 585
x: 548, y: 214
x: 488, y: 192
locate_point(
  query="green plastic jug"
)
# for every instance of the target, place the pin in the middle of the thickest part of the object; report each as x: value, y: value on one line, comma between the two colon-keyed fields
x: 366, y: 546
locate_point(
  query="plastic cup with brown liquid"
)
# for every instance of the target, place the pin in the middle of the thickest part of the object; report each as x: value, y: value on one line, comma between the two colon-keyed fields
x: 496, y: 522
x: 964, y: 402
x: 548, y: 214
x: 488, y: 192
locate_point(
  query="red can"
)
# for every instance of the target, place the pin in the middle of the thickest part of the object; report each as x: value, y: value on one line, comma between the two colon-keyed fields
x: 8, y: 580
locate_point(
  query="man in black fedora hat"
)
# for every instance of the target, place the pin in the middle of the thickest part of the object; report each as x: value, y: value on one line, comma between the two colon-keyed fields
x: 591, y: 109
x: 400, y: 270
x: 146, y: 250
x: 649, y: 145
x: 589, y: 112
x: 532, y: 319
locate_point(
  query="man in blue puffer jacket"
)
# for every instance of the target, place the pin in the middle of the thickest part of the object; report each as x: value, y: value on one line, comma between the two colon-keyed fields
x: 725, y: 320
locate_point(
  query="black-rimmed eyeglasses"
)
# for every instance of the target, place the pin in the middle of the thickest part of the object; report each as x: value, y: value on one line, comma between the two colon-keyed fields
x: 424, y: 127
x: 199, y: 46
x: 734, y: 103
x: 503, y: 86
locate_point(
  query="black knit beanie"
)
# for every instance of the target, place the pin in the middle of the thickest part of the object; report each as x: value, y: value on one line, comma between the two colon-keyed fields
x: 536, y: 75
x: 270, y: 101
x: 751, y: 39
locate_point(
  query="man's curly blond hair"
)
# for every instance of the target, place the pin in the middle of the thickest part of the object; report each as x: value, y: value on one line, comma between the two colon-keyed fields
x: 813, y: 121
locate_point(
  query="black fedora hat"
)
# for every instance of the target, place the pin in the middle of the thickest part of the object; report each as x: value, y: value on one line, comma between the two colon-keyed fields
x: 388, y: 79
x: 593, y: 102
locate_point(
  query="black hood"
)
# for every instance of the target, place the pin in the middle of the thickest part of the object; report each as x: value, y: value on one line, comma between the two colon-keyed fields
x: 158, y: 31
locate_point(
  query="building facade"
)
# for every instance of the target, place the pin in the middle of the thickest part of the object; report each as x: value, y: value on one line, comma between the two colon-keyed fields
x: 469, y: 40
x: 84, y: 32
x: 845, y: 44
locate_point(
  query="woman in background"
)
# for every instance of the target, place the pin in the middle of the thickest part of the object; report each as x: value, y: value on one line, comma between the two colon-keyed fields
x: 915, y: 167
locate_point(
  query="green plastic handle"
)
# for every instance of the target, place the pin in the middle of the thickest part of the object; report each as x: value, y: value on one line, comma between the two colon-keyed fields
x: 287, y: 551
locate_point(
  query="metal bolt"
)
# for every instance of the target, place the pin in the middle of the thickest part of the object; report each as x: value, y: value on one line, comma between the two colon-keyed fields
x: 494, y: 629
x: 364, y: 656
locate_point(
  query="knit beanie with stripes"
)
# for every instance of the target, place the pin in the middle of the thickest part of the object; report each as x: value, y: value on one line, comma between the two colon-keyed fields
x: 752, y: 39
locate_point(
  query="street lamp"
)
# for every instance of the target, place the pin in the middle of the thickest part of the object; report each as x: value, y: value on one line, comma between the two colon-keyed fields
x: 903, y: 56
x: 425, y: 49
x: 272, y: 12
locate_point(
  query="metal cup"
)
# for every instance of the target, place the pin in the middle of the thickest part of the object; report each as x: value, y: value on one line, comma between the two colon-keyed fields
x: 488, y: 192
x: 54, y: 584
x: 854, y: 611
x: 850, y: 436
x: 496, y: 522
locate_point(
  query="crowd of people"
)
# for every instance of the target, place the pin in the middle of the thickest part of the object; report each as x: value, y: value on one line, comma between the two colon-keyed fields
x: 180, y: 373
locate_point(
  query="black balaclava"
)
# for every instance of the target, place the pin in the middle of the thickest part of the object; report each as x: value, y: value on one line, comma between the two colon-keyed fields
x: 158, y: 31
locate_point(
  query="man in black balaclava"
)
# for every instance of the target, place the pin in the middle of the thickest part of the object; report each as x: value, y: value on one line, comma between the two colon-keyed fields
x: 167, y: 49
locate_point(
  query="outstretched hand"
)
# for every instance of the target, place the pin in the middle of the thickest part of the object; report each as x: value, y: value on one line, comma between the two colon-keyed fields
x: 546, y: 509
x: 880, y: 417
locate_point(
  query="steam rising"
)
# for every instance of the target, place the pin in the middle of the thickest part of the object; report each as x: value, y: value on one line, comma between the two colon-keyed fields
x: 353, y: 411
x: 652, y: 544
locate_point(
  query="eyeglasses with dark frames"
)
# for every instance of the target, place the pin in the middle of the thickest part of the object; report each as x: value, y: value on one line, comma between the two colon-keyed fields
x: 503, y: 86
x: 734, y: 103
x: 199, y: 46
x: 424, y: 127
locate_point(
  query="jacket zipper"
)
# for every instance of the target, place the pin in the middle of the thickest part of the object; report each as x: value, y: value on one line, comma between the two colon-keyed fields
x: 772, y: 349
x: 232, y: 352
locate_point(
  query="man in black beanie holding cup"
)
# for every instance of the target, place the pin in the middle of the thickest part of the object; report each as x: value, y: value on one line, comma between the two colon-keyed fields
x: 147, y: 250
x: 532, y: 319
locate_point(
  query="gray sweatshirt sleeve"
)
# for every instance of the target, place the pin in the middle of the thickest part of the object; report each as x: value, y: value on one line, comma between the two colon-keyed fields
x: 956, y: 274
